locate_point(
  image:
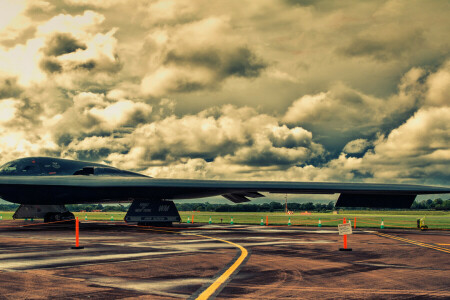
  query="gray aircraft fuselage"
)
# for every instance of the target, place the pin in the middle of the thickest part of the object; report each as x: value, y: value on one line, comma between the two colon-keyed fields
x: 49, y: 181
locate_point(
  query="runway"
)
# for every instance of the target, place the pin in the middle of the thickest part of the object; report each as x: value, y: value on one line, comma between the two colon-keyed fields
x: 120, y: 262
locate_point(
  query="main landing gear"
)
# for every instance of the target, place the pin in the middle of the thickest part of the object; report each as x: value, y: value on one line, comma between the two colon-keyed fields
x: 55, y: 217
x: 50, y: 213
x: 153, y: 212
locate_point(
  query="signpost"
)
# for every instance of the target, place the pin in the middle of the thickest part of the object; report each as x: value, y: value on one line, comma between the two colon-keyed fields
x: 344, y: 229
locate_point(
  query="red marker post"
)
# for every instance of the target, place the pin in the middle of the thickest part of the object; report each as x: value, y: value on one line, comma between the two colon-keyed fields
x: 344, y: 229
x: 77, y: 235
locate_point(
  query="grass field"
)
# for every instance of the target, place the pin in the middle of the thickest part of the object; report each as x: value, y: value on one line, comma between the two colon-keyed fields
x: 367, y: 219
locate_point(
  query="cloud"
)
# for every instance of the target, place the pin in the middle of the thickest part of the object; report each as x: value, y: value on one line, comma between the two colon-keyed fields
x: 62, y: 43
x: 339, y: 115
x: 238, y: 136
x: 439, y: 87
x: 170, y: 11
x: 419, y: 148
x: 198, y: 55
x: 77, y: 25
x: 280, y: 90
x: 9, y: 87
x: 342, y: 114
x: 8, y: 110
x: 94, y: 3
x: 94, y: 114
x: 55, y: 52
x: 385, y: 45
x: 356, y: 146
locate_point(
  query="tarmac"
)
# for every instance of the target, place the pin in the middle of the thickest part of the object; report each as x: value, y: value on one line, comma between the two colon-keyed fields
x: 220, y: 261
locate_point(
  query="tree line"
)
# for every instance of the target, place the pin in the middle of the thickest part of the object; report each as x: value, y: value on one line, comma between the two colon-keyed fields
x: 271, y: 207
x: 436, y: 204
x: 97, y: 207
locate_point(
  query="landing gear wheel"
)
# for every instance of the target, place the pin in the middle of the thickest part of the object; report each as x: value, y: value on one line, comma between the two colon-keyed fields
x: 67, y: 216
x: 55, y: 217
x: 49, y: 217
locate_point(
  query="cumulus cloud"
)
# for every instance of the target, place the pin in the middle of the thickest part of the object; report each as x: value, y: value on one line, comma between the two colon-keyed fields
x: 64, y: 44
x: 239, y: 136
x: 417, y: 149
x: 282, y: 90
x: 94, y: 114
x: 439, y: 87
x: 342, y: 114
x: 196, y: 56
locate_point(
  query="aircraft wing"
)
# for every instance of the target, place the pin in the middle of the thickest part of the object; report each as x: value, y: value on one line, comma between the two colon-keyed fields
x: 100, y: 189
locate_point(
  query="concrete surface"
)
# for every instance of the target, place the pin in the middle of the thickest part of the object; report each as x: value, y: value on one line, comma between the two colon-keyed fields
x: 120, y: 262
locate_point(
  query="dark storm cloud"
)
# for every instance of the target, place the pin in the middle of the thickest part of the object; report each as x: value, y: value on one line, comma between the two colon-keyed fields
x: 204, y: 57
x: 265, y: 158
x: 240, y: 62
x: 91, y: 155
x: 62, y: 43
x: 90, y: 65
x: 50, y: 65
x: 243, y: 63
x: 9, y: 88
x: 64, y: 139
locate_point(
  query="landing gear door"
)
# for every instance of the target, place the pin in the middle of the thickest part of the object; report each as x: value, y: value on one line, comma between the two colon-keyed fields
x: 152, y: 211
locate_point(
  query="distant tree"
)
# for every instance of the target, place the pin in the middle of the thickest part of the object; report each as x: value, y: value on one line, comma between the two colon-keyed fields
x: 330, y: 205
x: 8, y: 207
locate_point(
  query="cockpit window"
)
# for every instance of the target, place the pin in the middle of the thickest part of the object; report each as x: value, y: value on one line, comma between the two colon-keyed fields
x: 20, y: 168
x: 8, y: 168
x: 51, y: 167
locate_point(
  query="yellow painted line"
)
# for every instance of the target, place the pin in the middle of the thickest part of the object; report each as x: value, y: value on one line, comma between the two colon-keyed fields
x: 224, y: 277
x: 206, y: 294
x: 417, y: 243
x: 443, y: 244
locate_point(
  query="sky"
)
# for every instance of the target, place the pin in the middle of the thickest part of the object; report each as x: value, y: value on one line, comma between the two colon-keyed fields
x: 295, y: 90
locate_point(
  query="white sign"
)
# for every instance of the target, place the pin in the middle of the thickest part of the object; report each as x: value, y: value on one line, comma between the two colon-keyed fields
x: 345, y: 228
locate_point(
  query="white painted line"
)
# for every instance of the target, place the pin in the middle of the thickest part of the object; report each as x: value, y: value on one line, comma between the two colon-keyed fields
x: 48, y: 262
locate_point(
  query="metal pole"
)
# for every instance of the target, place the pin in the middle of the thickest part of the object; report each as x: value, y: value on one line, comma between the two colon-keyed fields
x: 286, y: 210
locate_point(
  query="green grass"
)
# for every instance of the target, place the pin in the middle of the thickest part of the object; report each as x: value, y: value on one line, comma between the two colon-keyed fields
x: 392, y: 219
x: 366, y: 219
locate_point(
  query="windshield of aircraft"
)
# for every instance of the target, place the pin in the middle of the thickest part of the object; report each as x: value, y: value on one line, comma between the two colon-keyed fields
x: 20, y: 167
